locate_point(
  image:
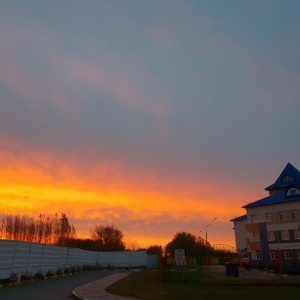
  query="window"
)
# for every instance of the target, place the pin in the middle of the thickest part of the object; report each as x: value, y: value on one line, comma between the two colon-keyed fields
x: 295, y: 214
x: 244, y: 255
x: 285, y: 235
x: 254, y: 218
x: 271, y: 235
x: 273, y: 255
x: 256, y: 236
x: 297, y: 234
x: 269, y: 217
x: 287, y: 178
x: 282, y: 215
x: 288, y: 254
x: 258, y: 256
x: 292, y: 192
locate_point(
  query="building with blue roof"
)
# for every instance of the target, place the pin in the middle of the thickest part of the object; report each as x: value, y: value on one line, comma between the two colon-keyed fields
x: 268, y: 235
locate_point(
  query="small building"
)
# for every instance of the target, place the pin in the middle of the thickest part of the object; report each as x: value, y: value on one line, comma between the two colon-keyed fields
x: 268, y: 235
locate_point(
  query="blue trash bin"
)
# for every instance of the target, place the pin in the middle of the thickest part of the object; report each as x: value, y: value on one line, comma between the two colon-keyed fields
x: 232, y: 269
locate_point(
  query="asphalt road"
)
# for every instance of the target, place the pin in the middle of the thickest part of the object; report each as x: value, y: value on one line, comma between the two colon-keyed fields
x: 59, y: 288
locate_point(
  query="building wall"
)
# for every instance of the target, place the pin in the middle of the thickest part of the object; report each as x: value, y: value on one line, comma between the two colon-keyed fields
x: 276, y: 224
x: 239, y: 231
x: 247, y: 231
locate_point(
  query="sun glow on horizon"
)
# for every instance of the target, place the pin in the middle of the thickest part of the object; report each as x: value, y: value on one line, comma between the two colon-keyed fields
x: 146, y: 211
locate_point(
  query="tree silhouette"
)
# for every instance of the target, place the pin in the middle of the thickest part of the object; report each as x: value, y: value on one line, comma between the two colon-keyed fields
x: 65, y: 230
x: 154, y: 249
x: 187, y: 241
x: 108, y: 238
x: 45, y: 230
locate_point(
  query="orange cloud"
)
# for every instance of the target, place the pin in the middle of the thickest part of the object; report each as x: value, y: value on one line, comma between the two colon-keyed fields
x: 146, y: 210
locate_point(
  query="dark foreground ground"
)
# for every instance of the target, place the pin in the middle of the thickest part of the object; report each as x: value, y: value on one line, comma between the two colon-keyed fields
x: 147, y: 285
x: 59, y: 288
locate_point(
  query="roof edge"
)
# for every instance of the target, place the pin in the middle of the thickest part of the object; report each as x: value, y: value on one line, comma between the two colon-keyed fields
x: 240, y: 218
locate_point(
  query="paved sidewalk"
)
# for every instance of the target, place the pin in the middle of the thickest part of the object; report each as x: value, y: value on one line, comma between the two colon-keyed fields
x: 96, y: 290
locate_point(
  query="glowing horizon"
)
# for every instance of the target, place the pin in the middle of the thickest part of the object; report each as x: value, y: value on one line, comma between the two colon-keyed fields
x: 139, y: 212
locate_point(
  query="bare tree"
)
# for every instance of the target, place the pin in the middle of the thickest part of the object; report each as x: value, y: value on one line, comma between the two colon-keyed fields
x: 40, y: 227
x: 66, y: 231
x: 8, y: 227
x: 30, y: 230
x: 132, y: 245
x: 47, y: 230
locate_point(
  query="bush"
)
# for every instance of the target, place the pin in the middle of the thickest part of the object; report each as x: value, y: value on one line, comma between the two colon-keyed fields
x: 27, y: 276
x: 14, y: 276
x: 49, y: 273
x: 59, y: 272
x: 73, y: 269
x: 39, y: 275
x: 67, y: 270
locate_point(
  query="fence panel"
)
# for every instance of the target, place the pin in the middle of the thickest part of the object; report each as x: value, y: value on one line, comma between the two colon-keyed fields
x: 152, y: 261
x: 122, y: 259
x: 23, y: 258
x: 7, y: 255
x: 139, y: 259
x: 89, y: 258
x: 35, y: 258
x: 73, y: 257
x: 105, y: 259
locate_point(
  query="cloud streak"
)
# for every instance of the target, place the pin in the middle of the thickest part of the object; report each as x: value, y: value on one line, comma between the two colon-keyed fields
x: 98, y: 194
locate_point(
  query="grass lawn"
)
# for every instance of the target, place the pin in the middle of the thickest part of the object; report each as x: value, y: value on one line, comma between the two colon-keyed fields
x: 146, y: 285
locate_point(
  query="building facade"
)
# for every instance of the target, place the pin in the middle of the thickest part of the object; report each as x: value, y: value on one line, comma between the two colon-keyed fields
x: 268, y: 235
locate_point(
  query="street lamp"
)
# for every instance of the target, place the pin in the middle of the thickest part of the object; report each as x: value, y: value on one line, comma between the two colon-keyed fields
x: 206, y: 230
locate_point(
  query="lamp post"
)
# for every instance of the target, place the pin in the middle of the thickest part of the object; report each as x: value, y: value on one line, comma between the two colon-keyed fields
x: 206, y: 231
x: 206, y: 239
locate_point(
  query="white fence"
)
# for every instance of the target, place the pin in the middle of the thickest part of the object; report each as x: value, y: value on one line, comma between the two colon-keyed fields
x: 22, y: 258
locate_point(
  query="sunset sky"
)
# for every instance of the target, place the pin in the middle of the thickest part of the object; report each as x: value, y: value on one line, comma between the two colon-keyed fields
x: 155, y: 116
